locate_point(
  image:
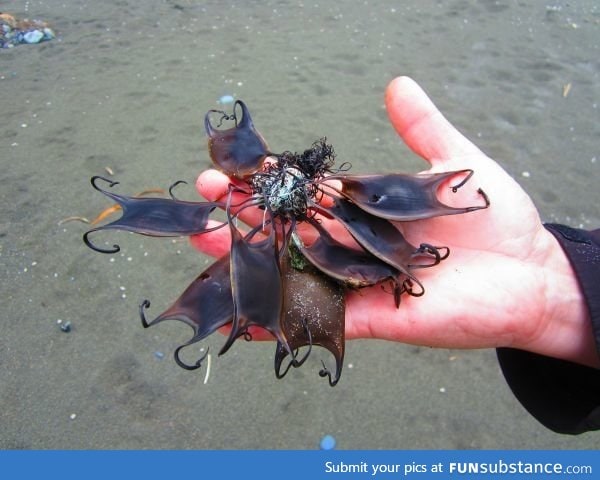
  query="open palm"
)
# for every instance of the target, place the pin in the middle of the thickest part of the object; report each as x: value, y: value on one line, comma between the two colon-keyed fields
x: 506, y: 281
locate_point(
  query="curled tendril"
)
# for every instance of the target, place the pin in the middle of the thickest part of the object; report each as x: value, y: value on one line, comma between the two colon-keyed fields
x: 295, y: 362
x: 184, y: 365
x: 485, y: 197
x: 407, y: 286
x: 324, y: 372
x: 426, y: 248
x: 145, y: 304
x: 115, y: 248
x: 95, y: 178
x: 178, y: 182
x: 225, y: 117
x: 462, y: 182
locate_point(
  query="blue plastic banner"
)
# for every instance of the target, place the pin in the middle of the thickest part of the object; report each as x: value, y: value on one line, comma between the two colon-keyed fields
x: 290, y: 465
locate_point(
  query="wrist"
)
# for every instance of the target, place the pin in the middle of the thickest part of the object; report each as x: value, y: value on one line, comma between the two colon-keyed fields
x: 565, y: 330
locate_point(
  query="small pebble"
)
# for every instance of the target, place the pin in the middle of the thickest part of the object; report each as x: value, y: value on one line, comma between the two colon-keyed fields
x: 34, y: 36
x: 225, y: 99
x: 65, y: 327
x: 73, y: 416
x: 526, y: 174
x: 159, y: 355
x: 327, y: 442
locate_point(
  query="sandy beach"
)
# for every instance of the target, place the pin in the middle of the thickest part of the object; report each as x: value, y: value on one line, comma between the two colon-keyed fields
x: 124, y: 87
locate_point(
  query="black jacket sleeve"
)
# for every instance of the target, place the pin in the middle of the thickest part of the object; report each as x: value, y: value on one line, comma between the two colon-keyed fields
x: 563, y: 396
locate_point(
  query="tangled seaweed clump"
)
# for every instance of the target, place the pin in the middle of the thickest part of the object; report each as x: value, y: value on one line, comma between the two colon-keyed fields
x: 264, y: 279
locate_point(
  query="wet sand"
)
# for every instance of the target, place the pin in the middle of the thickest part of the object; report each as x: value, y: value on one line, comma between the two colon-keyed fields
x: 125, y: 86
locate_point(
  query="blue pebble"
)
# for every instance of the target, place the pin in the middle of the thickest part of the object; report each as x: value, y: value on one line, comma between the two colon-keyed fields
x: 159, y: 355
x: 65, y: 327
x: 34, y: 36
x: 48, y: 34
x: 327, y: 442
x: 225, y: 99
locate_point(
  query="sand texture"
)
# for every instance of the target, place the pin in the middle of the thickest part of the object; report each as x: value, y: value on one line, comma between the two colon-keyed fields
x: 125, y: 85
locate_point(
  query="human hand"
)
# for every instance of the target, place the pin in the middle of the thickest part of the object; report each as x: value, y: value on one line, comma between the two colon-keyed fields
x: 506, y: 283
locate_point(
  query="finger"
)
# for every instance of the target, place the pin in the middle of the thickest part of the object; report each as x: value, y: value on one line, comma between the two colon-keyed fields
x: 216, y: 243
x: 215, y: 187
x: 422, y: 126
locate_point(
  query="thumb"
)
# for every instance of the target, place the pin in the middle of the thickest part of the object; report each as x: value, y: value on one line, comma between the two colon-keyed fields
x: 422, y: 126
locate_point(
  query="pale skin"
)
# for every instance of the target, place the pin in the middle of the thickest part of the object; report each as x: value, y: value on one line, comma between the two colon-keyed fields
x: 506, y: 283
